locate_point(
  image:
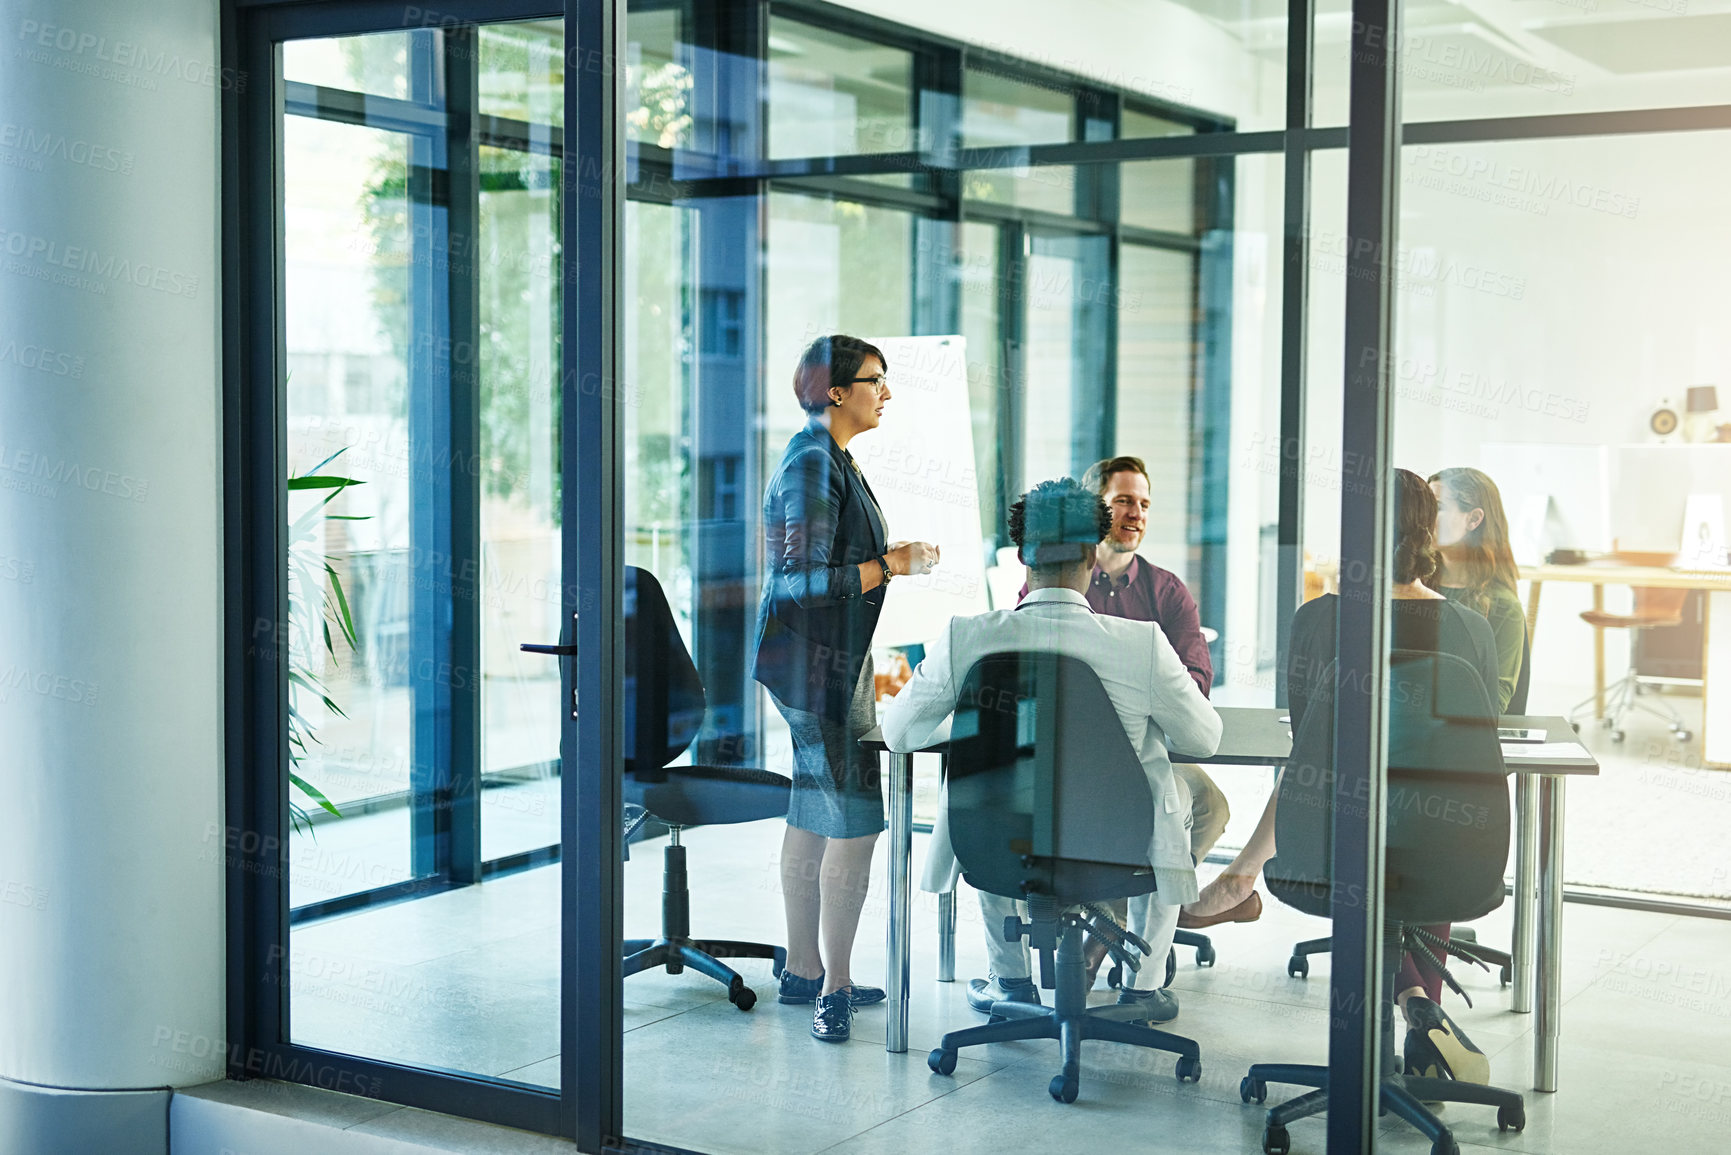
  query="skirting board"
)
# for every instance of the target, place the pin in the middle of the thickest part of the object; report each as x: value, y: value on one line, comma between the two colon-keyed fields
x: 50, y: 1121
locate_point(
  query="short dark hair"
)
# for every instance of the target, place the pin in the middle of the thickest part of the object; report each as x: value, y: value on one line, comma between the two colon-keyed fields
x: 1415, y: 552
x: 1099, y: 474
x: 1061, y: 513
x: 830, y: 363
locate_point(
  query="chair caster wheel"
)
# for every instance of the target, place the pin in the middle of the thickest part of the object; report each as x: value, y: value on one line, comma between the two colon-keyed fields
x: 1505, y: 976
x: 1252, y: 1090
x: 1171, y: 967
x: 1205, y: 956
x: 942, y: 1062
x: 1298, y: 966
x: 1575, y: 726
x: 1445, y: 1145
x: 1275, y: 1140
x: 1511, y: 1118
x: 741, y: 995
x: 1682, y: 735
x: 1115, y: 977
x: 1062, y: 1089
x: 1189, y: 1069
x: 1617, y: 735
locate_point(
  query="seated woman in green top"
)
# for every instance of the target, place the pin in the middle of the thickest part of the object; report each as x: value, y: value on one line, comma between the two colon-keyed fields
x: 1478, y: 568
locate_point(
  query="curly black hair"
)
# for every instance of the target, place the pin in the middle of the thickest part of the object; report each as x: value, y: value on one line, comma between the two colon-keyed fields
x: 1058, y: 513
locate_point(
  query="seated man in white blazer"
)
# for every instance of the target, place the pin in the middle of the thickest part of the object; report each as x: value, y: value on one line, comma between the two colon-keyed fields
x: 1057, y: 527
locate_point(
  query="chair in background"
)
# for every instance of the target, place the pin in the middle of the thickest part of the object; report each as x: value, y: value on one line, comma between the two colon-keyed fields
x: 1048, y: 802
x: 1654, y: 609
x: 1444, y: 762
x: 664, y: 710
x: 1464, y: 941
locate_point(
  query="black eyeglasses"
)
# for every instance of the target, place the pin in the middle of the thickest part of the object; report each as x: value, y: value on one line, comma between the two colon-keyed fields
x: 880, y: 382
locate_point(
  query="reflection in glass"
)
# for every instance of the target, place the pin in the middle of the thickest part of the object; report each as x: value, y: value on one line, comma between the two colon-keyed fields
x: 522, y: 71
x: 836, y: 95
x: 517, y: 361
x: 1157, y: 194
x: 1000, y: 112
x: 657, y: 83
x: 376, y: 64
x: 347, y: 341
x: 1156, y: 391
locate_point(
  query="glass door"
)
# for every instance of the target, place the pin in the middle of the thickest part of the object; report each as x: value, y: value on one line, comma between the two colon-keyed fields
x: 420, y: 944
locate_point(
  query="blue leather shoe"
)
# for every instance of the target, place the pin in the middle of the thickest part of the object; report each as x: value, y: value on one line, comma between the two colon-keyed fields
x: 1161, y: 1005
x: 833, y: 1020
x: 982, y: 993
x: 795, y: 990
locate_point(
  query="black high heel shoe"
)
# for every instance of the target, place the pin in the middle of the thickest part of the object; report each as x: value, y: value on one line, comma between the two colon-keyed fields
x: 1437, y: 1048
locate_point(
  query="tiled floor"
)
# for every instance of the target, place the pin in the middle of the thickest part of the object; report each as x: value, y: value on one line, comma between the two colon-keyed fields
x: 466, y: 980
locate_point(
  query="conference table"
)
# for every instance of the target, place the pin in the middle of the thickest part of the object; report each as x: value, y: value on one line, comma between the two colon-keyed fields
x: 1259, y: 736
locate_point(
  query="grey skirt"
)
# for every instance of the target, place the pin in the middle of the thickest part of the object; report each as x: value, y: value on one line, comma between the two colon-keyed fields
x: 835, y: 780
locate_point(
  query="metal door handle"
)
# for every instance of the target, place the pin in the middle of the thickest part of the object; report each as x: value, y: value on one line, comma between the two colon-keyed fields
x: 556, y: 651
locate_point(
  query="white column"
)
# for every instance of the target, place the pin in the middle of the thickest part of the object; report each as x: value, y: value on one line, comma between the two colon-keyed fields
x: 111, y: 721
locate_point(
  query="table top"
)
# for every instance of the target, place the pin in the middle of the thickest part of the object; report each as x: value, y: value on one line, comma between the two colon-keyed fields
x: 1614, y: 574
x: 1259, y: 736
x: 1256, y: 736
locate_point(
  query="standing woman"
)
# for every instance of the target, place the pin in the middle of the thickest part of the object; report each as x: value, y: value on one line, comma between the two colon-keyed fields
x: 828, y: 560
x: 1478, y: 568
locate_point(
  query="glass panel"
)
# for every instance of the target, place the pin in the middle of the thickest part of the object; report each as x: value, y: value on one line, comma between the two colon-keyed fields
x: 831, y: 264
x: 520, y: 499
x: 347, y: 344
x: 437, y: 738
x: 1157, y: 194
x: 522, y: 72
x: 1157, y: 363
x: 1563, y: 428
x: 977, y: 266
x: 1065, y: 308
x: 1000, y: 112
x: 835, y: 95
x: 376, y: 64
x: 1563, y: 56
x: 657, y: 84
x: 658, y: 328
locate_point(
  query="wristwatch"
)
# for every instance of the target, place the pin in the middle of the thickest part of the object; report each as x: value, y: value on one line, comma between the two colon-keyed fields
x: 888, y: 572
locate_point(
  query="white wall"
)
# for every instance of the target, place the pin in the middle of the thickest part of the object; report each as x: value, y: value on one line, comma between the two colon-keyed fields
x: 111, y: 925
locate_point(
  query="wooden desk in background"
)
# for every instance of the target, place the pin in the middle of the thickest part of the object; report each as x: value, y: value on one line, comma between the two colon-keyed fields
x: 1715, y: 651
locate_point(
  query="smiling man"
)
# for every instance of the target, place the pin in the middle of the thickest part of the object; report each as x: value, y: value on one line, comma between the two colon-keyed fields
x: 1127, y: 585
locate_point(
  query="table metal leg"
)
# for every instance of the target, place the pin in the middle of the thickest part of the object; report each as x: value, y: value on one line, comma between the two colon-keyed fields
x: 898, y: 946
x: 1598, y: 655
x: 947, y: 937
x: 1526, y: 866
x: 1548, y: 1003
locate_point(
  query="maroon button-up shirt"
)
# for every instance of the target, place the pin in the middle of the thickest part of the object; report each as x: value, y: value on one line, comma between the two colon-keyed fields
x: 1147, y: 593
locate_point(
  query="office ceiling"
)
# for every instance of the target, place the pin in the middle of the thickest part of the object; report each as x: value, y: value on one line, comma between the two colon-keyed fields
x: 1487, y: 44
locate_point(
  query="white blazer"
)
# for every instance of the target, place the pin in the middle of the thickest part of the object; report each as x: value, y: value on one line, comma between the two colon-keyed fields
x: 1157, y: 700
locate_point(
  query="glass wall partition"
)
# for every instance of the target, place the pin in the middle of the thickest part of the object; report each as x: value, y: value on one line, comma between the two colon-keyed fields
x: 1064, y: 262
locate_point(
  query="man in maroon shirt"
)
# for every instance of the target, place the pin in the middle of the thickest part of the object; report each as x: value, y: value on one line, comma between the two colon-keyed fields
x: 1126, y: 585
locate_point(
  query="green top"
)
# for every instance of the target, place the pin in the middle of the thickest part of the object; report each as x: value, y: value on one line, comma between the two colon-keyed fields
x: 1509, y: 628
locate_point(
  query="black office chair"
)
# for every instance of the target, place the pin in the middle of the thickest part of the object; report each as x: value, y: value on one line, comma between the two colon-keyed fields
x: 664, y: 709
x: 1048, y: 802
x: 1463, y: 940
x: 1448, y: 837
